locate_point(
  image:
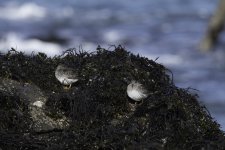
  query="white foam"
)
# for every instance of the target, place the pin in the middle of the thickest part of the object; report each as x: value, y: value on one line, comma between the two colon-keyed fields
x: 16, y: 12
x: 166, y: 59
x: 112, y: 36
x: 29, y: 45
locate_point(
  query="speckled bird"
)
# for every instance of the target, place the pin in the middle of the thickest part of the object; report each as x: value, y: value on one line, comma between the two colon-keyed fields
x: 66, y: 76
x: 136, y: 91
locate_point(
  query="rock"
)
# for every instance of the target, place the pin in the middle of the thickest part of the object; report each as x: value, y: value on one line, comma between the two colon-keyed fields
x: 94, y: 113
x: 31, y: 95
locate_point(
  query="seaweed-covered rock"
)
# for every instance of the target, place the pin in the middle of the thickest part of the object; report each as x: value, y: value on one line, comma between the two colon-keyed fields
x: 94, y: 113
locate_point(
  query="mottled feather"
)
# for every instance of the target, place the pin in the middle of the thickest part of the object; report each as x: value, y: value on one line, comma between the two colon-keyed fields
x: 66, y: 75
x: 136, y: 91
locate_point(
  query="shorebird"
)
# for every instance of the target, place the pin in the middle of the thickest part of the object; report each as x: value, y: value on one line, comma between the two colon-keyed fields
x: 136, y: 92
x: 66, y: 76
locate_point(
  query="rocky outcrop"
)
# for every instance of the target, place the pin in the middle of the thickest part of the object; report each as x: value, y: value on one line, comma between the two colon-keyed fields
x: 37, y: 113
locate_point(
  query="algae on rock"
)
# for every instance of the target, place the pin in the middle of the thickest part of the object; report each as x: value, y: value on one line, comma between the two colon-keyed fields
x: 95, y: 110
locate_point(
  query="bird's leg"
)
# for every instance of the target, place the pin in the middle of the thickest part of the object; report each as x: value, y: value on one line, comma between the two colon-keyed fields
x: 141, y: 102
x: 65, y: 87
x: 132, y: 107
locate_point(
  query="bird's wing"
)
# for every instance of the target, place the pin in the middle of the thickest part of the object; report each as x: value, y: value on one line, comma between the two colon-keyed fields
x: 71, y: 74
x: 144, y: 90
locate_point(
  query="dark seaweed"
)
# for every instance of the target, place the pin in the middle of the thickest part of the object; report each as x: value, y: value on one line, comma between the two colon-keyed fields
x: 170, y: 118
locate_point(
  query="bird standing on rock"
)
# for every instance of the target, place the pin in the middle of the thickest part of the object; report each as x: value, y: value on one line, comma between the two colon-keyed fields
x: 137, y: 93
x: 66, y: 76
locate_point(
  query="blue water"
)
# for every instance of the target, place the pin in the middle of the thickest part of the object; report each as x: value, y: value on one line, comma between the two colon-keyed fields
x: 168, y: 29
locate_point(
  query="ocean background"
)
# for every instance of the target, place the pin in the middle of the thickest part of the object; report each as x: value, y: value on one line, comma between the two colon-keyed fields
x: 168, y: 29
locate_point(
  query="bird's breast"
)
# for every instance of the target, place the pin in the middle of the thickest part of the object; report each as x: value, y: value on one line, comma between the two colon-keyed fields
x: 135, y: 95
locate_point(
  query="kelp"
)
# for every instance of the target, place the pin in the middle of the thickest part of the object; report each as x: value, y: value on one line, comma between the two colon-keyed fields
x: 97, y: 105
